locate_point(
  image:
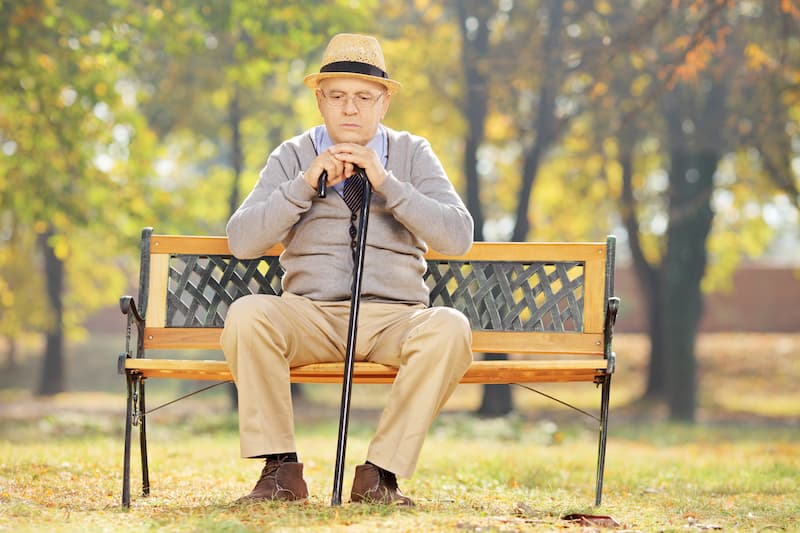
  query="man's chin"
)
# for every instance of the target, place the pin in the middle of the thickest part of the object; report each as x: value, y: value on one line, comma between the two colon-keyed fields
x: 351, y: 136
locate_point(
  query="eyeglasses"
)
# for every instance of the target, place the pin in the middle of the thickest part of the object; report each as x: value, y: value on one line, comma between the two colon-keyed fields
x: 362, y: 100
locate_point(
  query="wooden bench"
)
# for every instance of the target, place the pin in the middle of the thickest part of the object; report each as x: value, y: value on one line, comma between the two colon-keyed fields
x: 552, y: 302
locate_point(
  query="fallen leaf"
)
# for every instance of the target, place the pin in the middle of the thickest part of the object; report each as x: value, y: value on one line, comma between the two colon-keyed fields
x: 592, y: 520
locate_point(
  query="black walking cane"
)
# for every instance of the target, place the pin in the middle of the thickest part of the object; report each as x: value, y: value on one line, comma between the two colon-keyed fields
x: 349, y: 360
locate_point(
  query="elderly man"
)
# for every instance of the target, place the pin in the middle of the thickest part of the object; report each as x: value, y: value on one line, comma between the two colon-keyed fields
x: 414, y: 207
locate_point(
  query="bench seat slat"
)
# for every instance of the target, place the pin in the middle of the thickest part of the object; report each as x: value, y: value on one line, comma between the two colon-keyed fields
x: 533, y: 342
x: 514, y: 371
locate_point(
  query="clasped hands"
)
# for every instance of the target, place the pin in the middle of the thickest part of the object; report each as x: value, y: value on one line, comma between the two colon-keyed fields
x: 340, y: 160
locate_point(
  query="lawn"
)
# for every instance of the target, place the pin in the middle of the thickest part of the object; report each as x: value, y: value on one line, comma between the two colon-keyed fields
x: 738, y: 469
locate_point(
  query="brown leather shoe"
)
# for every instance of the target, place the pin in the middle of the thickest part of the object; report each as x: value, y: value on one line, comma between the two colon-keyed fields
x: 279, y: 481
x: 373, y: 485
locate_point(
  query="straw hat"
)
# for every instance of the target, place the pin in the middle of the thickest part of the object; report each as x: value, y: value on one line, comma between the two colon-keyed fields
x: 353, y: 56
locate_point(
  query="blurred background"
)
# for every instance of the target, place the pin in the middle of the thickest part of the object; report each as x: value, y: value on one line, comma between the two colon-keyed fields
x: 673, y: 124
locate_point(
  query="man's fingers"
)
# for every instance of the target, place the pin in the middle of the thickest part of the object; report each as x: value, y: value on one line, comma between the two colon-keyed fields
x: 335, y: 169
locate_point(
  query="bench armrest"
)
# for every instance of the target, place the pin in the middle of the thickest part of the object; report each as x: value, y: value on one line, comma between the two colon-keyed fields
x: 608, y: 331
x: 127, y: 305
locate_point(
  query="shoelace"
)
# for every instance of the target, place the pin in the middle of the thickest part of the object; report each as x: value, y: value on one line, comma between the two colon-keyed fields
x: 270, y: 469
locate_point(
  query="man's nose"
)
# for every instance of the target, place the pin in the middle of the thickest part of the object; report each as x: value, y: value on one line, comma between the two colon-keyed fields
x: 350, y: 105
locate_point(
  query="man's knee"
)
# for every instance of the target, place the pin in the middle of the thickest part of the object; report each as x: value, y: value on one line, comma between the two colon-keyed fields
x: 452, y: 329
x: 452, y: 321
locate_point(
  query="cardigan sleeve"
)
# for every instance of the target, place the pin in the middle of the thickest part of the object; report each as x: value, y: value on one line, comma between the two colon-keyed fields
x: 272, y: 208
x: 427, y: 204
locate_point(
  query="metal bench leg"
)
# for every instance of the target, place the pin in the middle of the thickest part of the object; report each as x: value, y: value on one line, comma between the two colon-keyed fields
x: 143, y: 440
x: 126, y: 461
x: 601, y: 452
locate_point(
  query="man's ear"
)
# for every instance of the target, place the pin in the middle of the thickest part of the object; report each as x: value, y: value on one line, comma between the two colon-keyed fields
x: 386, y: 101
x: 318, y: 95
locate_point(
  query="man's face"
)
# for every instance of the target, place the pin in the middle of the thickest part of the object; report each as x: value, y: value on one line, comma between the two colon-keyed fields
x: 352, y: 108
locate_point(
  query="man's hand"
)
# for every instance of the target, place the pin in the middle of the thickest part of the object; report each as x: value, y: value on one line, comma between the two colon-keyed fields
x: 327, y: 162
x: 350, y: 154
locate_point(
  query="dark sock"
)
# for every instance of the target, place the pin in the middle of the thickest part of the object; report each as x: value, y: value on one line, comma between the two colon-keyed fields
x: 290, y: 457
x: 385, y: 474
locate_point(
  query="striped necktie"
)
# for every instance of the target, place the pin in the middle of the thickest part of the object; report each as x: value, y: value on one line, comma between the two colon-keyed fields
x: 353, y: 192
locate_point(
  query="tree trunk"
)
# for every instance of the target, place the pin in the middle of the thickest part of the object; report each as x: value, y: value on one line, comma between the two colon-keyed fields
x: 647, y: 276
x: 656, y: 387
x: 235, y: 121
x: 474, y: 59
x: 497, y: 400
x: 691, y: 185
x: 545, y: 122
x: 52, y: 375
x: 695, y: 122
x: 11, y: 353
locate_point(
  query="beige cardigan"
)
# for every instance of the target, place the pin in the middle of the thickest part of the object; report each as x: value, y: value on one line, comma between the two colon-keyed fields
x: 415, y: 207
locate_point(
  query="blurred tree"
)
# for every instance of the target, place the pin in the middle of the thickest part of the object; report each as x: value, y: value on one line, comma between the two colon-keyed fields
x: 21, y: 294
x: 708, y: 83
x: 69, y: 153
x: 474, y: 17
x: 429, y: 103
x: 543, y: 127
x: 682, y: 82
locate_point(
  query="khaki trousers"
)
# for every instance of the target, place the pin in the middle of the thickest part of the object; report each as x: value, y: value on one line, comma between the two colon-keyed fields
x: 266, y: 335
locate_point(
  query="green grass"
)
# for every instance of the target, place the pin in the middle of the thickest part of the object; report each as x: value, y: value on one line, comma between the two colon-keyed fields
x: 737, y: 469
x: 65, y: 475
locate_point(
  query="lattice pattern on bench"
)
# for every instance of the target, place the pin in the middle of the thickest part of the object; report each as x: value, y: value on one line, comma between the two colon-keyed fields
x: 494, y: 295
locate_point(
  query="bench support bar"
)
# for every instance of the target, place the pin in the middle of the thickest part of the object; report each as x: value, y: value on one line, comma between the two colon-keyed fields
x: 126, y: 461
x: 135, y: 416
x: 601, y: 451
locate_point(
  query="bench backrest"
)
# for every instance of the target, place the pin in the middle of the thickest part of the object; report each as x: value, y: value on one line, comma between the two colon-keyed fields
x: 528, y: 298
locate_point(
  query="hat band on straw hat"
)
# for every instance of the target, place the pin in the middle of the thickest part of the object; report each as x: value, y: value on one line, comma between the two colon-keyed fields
x: 354, y: 67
